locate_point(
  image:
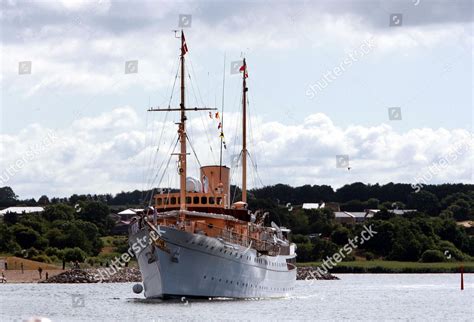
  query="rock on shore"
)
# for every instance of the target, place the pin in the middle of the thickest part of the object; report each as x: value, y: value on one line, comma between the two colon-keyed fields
x: 127, y: 274
x: 93, y: 275
x: 310, y: 273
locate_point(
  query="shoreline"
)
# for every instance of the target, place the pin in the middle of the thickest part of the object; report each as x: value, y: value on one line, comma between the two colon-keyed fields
x: 394, y: 267
x: 305, y: 272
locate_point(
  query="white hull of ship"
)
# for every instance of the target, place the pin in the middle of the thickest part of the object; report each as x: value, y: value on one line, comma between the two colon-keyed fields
x: 195, y: 265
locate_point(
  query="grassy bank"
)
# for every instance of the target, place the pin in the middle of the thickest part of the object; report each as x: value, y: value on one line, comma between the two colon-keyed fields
x: 379, y: 266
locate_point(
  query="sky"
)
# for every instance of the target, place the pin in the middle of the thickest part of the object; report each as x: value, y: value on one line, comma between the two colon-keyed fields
x: 339, y: 92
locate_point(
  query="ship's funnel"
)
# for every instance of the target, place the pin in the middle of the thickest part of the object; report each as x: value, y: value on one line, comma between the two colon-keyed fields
x: 215, y: 179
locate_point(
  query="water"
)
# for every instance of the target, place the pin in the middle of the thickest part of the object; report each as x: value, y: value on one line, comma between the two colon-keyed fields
x: 355, y: 297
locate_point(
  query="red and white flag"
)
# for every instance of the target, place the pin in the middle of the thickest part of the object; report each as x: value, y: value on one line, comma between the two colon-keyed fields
x: 184, y: 48
x: 244, y: 69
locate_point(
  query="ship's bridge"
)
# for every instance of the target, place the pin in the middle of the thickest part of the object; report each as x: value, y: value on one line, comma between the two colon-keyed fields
x: 193, y: 199
x: 212, y: 191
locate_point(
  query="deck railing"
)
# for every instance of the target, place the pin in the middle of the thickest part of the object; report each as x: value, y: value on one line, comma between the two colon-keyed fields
x: 239, y: 239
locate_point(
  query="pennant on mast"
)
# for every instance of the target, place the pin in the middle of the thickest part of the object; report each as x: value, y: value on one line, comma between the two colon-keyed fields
x: 184, y: 47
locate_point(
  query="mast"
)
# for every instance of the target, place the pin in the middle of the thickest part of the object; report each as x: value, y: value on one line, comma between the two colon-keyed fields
x: 244, y: 133
x: 182, y: 133
x: 182, y: 162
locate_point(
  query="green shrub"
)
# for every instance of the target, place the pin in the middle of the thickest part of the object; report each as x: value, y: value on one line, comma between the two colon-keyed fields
x: 31, y: 252
x: 42, y: 258
x: 74, y: 254
x: 449, y: 250
x: 369, y: 256
x: 349, y: 258
x: 432, y: 256
x: 53, y: 251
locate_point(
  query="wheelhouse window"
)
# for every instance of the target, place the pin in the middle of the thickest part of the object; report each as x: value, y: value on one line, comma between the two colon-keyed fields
x: 204, y: 200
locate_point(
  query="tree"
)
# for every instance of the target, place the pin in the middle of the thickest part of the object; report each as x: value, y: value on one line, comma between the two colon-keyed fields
x: 424, y: 201
x: 460, y: 209
x: 341, y: 235
x: 373, y: 203
x: 98, y: 214
x: 27, y: 237
x: 74, y: 254
x: 58, y: 212
x: 5, y: 237
x: 43, y: 200
x: 10, y: 218
x: 7, y: 197
x: 432, y: 256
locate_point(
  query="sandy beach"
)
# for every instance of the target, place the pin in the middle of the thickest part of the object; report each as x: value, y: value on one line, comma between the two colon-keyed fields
x: 28, y: 276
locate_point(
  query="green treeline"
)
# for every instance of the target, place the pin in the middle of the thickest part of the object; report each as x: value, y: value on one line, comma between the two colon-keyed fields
x: 71, y: 228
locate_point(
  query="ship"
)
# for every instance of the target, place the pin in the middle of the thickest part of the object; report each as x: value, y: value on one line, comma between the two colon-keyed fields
x: 197, y: 242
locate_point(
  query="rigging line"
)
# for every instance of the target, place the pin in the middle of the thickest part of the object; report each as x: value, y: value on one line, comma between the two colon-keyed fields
x: 145, y: 169
x: 165, y: 119
x: 194, y: 151
x: 251, y: 131
x: 194, y: 75
x: 162, y: 163
x: 163, y: 175
x: 158, y: 145
x: 150, y: 134
x: 174, y: 84
x: 202, y: 103
x: 206, y: 128
x: 152, y: 164
x: 237, y: 127
x: 232, y: 173
x: 256, y: 169
x: 222, y: 122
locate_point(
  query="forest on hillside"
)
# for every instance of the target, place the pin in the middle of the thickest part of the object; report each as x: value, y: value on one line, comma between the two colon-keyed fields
x: 72, y: 228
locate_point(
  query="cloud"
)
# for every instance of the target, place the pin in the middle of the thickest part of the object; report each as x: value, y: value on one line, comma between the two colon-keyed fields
x: 115, y: 151
x: 82, y: 46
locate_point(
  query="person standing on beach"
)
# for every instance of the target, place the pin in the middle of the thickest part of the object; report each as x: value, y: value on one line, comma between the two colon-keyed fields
x: 40, y: 271
x: 22, y: 271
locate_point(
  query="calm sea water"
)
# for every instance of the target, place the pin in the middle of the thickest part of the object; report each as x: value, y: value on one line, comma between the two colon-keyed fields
x: 354, y: 297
